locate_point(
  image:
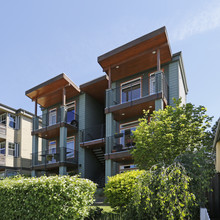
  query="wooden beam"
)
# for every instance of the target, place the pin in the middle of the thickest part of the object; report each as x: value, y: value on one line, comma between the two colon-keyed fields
x: 110, y: 78
x: 158, y: 59
x: 64, y: 96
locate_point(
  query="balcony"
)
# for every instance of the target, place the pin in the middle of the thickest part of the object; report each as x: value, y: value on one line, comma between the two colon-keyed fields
x: 50, y: 159
x: 51, y: 124
x: 2, y: 131
x: 2, y: 159
x: 118, y: 147
x: 93, y: 137
x: 139, y: 94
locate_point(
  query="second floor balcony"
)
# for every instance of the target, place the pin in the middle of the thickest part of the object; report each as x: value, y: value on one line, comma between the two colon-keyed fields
x: 52, y: 158
x: 53, y: 120
x: 2, y: 131
x: 139, y: 93
x: 93, y: 136
x: 118, y: 146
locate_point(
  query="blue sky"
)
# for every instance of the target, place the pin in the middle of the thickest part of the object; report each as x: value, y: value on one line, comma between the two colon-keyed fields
x: 41, y: 39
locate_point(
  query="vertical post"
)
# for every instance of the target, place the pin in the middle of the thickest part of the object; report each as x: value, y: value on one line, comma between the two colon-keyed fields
x: 64, y: 96
x: 36, y: 107
x: 158, y: 59
x: 109, y: 77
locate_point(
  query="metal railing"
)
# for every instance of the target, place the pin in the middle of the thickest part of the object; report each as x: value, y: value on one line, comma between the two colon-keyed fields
x: 147, y: 86
x: 48, y: 119
x: 2, y: 129
x: 54, y: 156
x: 119, y: 142
x: 92, y: 133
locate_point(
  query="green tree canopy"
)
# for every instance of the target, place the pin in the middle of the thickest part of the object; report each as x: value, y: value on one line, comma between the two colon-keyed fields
x: 170, y: 133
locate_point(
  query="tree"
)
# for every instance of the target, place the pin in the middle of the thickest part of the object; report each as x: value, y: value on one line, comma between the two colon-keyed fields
x: 170, y: 133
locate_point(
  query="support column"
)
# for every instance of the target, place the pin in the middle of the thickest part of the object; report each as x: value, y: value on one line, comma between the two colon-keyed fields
x: 108, y: 145
x: 35, y: 145
x: 63, y: 137
x: 217, y: 165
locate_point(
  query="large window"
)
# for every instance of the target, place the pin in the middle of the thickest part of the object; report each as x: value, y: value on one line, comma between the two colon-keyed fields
x: 2, y: 147
x: 52, y: 152
x: 127, y: 129
x: 70, y: 145
x: 52, y: 116
x: 12, y: 120
x: 13, y: 149
x: 71, y: 112
x: 131, y: 90
x: 3, y: 119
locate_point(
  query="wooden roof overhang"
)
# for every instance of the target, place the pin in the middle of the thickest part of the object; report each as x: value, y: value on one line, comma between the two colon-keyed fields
x: 51, y: 92
x: 137, y: 55
x: 96, y: 88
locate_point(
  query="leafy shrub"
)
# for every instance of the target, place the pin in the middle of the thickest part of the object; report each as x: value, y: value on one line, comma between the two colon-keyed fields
x: 160, y: 193
x: 95, y: 212
x: 119, y: 189
x: 46, y: 197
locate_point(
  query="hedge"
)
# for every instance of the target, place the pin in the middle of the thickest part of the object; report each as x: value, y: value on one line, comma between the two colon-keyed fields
x: 57, y: 197
x: 119, y: 189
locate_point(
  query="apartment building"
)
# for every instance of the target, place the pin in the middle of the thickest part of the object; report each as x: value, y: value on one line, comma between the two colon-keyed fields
x: 88, y: 129
x: 15, y: 141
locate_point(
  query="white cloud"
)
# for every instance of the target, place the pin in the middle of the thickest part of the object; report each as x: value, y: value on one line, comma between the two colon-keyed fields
x: 199, y: 22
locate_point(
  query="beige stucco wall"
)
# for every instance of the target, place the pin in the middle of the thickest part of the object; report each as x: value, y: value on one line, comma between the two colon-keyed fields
x: 217, y: 164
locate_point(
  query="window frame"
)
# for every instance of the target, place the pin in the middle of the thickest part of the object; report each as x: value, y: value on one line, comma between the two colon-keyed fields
x: 3, y: 148
x: 130, y: 82
x: 49, y: 116
x: 71, y: 139
x: 3, y: 121
x: 9, y: 121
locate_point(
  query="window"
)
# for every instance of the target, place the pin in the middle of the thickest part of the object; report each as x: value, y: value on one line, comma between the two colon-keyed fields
x: 70, y: 112
x: 128, y: 167
x: 131, y: 90
x: 70, y: 145
x: 13, y: 149
x: 12, y: 120
x: 3, y: 119
x: 51, y: 152
x: 127, y: 129
x: 2, y: 148
x: 52, y: 116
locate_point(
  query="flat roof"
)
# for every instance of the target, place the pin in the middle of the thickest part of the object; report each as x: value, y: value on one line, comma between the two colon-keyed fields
x: 50, y: 92
x: 137, y: 55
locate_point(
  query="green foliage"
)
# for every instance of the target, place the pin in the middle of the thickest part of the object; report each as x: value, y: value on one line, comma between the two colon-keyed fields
x: 200, y: 167
x: 119, y: 189
x: 46, y: 197
x: 95, y: 212
x: 160, y: 193
x: 171, y: 132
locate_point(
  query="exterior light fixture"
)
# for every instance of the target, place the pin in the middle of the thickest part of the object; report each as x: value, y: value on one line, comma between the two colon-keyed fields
x: 154, y: 52
x: 122, y: 113
x: 117, y: 67
x: 150, y: 106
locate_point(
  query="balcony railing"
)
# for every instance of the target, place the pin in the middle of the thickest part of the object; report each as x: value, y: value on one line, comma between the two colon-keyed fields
x: 92, y: 133
x: 120, y: 142
x: 52, y: 156
x: 49, y: 119
x: 2, y: 130
x: 2, y: 159
x: 141, y: 87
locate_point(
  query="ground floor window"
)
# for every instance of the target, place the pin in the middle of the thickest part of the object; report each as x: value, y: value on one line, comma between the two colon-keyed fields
x: 51, y: 152
x: 13, y: 149
x: 127, y: 167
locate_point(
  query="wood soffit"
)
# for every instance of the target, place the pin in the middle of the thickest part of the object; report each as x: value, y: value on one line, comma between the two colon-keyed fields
x: 51, y: 91
x: 137, y: 55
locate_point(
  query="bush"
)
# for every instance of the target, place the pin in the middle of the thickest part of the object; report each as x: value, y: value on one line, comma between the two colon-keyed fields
x: 160, y: 193
x: 46, y: 197
x: 119, y: 189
